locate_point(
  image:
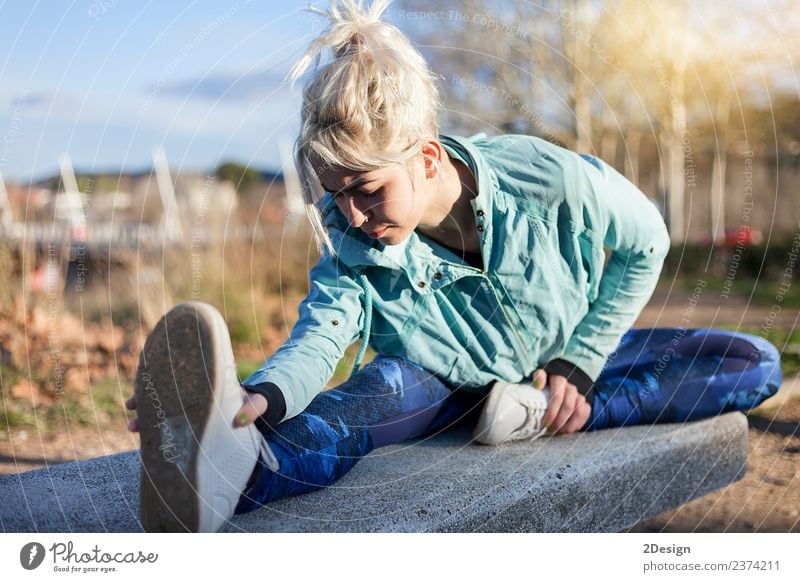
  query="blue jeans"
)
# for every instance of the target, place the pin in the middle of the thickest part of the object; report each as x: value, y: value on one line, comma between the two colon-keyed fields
x: 654, y: 375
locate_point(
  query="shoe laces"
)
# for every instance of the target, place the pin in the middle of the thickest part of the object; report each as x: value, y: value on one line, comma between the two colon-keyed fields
x: 533, y: 427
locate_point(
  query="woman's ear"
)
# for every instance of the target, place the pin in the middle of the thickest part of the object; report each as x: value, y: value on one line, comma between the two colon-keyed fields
x: 432, y: 152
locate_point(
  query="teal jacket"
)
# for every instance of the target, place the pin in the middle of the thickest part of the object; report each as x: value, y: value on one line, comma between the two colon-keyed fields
x: 544, y: 215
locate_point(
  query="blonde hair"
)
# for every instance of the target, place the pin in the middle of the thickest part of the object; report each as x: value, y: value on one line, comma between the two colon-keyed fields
x: 374, y: 104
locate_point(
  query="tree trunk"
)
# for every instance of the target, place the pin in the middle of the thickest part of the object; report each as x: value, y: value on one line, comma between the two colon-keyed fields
x: 580, y: 98
x: 675, y: 154
x: 633, y: 146
x: 717, y: 213
x: 608, y: 145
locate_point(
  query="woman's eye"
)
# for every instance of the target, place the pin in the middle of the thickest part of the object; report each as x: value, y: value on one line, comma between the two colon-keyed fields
x: 341, y: 195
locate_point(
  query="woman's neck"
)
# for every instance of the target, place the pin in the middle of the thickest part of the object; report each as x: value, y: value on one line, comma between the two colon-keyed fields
x: 457, y: 228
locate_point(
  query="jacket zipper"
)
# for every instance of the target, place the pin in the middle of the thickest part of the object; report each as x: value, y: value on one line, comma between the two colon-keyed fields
x: 520, y: 341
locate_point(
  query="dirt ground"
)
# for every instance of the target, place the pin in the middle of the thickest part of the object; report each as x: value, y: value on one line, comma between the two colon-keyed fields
x: 27, y: 450
x: 766, y: 499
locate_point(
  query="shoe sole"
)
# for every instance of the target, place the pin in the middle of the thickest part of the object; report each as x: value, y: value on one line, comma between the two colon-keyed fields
x: 176, y: 384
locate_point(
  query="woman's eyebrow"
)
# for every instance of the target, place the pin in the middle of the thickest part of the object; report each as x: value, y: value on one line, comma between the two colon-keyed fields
x: 354, y: 184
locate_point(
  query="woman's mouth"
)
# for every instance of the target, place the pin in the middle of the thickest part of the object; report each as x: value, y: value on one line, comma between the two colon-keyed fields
x: 378, y: 233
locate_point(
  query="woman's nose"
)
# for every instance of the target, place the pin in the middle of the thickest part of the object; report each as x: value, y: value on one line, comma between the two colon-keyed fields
x: 354, y: 216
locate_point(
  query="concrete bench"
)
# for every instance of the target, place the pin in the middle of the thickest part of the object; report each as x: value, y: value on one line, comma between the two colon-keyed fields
x: 588, y: 482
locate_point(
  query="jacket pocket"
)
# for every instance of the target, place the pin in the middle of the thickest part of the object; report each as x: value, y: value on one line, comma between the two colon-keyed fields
x: 455, y: 371
x: 418, y: 312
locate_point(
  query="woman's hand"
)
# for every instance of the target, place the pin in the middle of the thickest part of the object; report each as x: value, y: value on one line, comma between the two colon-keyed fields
x: 568, y: 410
x: 254, y: 405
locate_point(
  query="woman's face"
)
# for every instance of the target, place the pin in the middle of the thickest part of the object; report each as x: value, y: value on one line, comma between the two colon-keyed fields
x: 383, y: 203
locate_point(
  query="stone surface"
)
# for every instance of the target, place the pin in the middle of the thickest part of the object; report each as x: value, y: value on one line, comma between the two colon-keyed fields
x: 603, y: 481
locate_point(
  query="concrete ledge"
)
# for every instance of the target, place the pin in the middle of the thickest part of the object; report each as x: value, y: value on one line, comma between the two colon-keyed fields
x: 588, y: 482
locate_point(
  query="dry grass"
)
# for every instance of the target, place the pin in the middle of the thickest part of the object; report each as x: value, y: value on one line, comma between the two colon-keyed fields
x: 257, y: 285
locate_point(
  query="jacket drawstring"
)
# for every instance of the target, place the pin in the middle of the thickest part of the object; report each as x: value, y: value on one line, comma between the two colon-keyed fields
x: 362, y: 280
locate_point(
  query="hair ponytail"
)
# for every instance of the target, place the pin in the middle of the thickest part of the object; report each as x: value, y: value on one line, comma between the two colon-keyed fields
x: 374, y: 103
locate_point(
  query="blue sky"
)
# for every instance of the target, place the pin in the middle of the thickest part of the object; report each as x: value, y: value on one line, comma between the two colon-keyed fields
x: 107, y: 81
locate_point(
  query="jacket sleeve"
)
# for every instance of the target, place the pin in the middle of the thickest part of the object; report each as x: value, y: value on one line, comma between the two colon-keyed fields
x: 623, y: 219
x: 330, y: 318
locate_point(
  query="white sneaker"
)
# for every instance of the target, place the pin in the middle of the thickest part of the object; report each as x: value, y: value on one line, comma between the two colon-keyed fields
x: 513, y: 412
x: 195, y: 462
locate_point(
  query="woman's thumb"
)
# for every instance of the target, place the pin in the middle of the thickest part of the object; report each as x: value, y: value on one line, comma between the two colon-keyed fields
x: 254, y: 406
x: 539, y: 379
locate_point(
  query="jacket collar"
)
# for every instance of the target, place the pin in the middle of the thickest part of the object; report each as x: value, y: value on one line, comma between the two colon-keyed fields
x: 483, y: 204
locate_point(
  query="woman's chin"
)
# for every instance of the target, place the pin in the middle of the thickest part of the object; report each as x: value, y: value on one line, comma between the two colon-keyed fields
x: 393, y: 237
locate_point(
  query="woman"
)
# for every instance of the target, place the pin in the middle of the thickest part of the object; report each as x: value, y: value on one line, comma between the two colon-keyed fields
x: 473, y: 267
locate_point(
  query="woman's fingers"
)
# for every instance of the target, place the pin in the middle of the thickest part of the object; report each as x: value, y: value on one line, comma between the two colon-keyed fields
x: 254, y: 406
x: 578, y: 418
x: 568, y: 406
x: 133, y: 425
x: 557, y: 393
x: 568, y: 410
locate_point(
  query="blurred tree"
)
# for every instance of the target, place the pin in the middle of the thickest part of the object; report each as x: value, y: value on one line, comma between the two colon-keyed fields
x: 91, y: 183
x: 594, y: 74
x: 242, y: 176
x: 776, y: 122
x: 514, y: 66
x: 655, y: 45
x: 726, y: 57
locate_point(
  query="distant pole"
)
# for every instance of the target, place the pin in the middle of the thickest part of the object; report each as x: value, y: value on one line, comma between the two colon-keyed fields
x: 71, y: 201
x: 67, y: 174
x: 291, y: 182
x: 719, y: 169
x: 6, y: 216
x: 170, y: 220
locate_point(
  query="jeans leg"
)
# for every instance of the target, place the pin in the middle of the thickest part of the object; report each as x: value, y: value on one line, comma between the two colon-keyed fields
x: 387, y: 401
x: 678, y: 374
